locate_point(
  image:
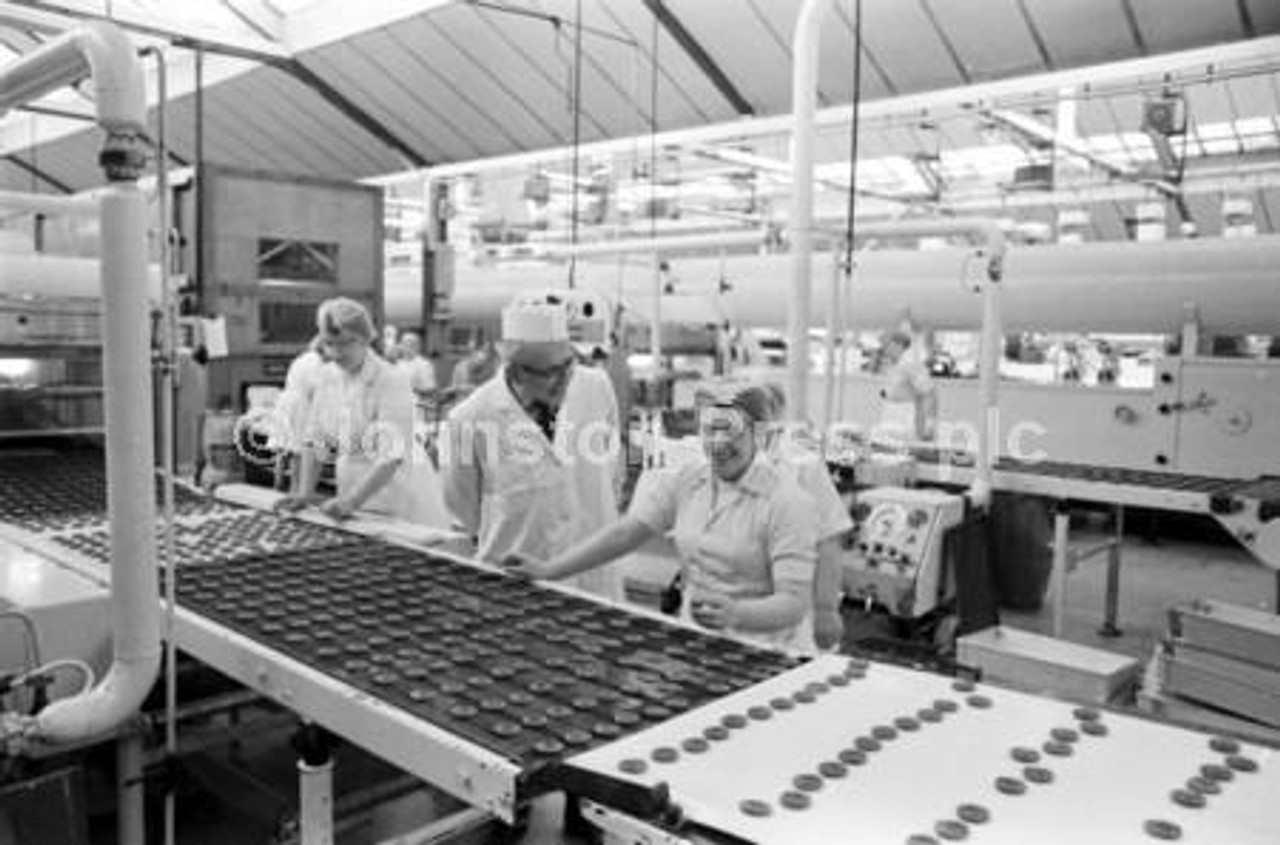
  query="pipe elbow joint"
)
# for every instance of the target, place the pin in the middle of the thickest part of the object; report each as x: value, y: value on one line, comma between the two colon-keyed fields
x: 118, y: 87
x: 104, y: 707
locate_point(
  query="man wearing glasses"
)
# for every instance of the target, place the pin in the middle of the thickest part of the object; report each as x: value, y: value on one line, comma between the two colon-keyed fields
x: 530, y: 457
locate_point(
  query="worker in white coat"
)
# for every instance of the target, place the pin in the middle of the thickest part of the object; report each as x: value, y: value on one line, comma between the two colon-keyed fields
x: 362, y: 414
x: 910, y: 411
x: 529, y: 459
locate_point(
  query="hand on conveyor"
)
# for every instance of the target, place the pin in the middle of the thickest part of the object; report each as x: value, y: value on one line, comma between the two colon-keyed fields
x: 535, y: 570
x: 828, y: 628
x: 337, y: 508
x: 713, y: 611
x: 292, y: 503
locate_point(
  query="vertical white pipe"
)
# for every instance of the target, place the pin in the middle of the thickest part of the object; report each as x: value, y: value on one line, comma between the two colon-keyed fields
x: 990, y: 350
x: 315, y: 803
x: 655, y: 338
x: 1058, y: 573
x: 804, y: 95
x: 130, y: 455
x: 833, y: 328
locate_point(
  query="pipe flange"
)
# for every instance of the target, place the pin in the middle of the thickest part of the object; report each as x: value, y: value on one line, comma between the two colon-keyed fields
x: 124, y: 155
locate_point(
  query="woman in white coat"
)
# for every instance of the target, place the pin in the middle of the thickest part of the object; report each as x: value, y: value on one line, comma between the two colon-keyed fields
x: 362, y: 414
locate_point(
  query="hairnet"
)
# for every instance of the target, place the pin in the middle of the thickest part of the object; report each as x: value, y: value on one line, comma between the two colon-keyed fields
x: 341, y: 314
x: 753, y: 400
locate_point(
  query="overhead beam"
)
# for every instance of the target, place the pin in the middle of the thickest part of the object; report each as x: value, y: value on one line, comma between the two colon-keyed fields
x: 28, y: 167
x: 700, y: 57
x: 782, y: 169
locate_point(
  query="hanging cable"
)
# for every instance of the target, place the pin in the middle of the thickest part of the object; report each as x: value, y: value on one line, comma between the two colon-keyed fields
x: 577, y: 138
x: 853, y: 136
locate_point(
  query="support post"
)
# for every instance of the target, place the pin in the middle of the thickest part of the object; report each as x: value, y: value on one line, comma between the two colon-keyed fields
x: 1061, y: 558
x: 1112, y: 609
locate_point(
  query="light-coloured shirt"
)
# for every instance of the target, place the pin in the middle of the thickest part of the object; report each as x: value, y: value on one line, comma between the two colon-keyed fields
x: 904, y: 384
x: 806, y: 467
x: 746, y: 539
x: 367, y: 416
x: 422, y: 373
x: 522, y: 494
x: 294, y: 405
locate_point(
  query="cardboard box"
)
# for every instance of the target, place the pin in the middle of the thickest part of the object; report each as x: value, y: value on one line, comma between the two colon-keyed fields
x: 1041, y: 664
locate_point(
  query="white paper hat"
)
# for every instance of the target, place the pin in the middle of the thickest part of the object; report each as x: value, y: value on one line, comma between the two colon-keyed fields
x: 529, y: 320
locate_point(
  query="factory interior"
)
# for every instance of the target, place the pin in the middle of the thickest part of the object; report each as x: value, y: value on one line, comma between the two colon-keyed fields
x: 639, y: 422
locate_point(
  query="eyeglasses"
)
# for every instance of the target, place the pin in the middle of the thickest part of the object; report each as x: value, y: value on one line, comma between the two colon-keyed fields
x: 556, y: 372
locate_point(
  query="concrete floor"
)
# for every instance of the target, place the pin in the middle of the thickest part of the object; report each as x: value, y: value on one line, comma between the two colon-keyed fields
x: 1188, y: 561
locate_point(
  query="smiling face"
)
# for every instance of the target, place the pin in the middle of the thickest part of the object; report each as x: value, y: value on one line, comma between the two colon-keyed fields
x: 728, y: 440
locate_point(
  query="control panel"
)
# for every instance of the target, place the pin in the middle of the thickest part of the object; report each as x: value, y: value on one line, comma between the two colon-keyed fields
x: 898, y: 549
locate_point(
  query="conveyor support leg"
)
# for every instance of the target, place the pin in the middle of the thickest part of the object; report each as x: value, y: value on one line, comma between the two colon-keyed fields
x: 1109, y: 627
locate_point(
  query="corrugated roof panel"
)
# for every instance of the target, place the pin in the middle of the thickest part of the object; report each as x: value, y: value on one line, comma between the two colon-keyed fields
x: 751, y: 58
x: 459, y: 44
x: 303, y: 117
x: 686, y: 96
x: 403, y: 50
x: 1206, y: 211
x: 1181, y: 24
x: 386, y: 56
x: 907, y: 46
x: 1105, y: 38
x: 1107, y: 219
x: 991, y: 38
x: 1267, y: 211
x: 391, y: 101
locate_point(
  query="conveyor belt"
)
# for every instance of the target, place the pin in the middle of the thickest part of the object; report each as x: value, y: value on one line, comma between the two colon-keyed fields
x: 529, y: 673
x: 48, y: 490
x: 1105, y: 484
x: 228, y: 536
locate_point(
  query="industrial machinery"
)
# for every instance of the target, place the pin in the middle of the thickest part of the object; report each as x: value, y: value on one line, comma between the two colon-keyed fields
x: 263, y: 251
x: 898, y: 558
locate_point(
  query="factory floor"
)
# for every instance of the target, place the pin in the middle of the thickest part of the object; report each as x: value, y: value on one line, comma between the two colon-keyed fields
x: 1164, y: 564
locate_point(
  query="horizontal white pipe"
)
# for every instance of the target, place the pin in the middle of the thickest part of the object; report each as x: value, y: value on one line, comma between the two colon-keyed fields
x: 1115, y: 287
x: 38, y: 274
x: 652, y: 246
x: 94, y: 49
x: 28, y: 203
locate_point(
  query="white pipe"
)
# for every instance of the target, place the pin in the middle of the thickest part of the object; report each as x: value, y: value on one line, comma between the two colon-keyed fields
x: 315, y: 803
x: 1125, y: 287
x: 78, y: 205
x: 131, y: 508
x: 804, y: 94
x: 649, y: 246
x: 119, y: 96
x: 94, y: 49
x: 833, y: 328
x: 55, y: 276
